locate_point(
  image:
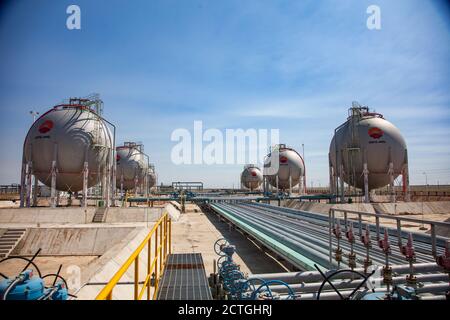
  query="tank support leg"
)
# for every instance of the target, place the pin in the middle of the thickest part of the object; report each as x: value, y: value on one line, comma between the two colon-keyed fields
x: 290, y: 185
x: 276, y: 178
x: 23, y: 184
x: 391, y: 181
x: 136, y: 186
x: 405, y: 176
x: 108, y: 186
x: 53, y: 197
x: 341, y: 178
x: 122, y: 195
x: 53, y: 185
x: 35, y: 191
x: 29, y: 169
x: 113, y: 177
x: 85, y: 183
x: 332, y: 182
x: 366, y: 183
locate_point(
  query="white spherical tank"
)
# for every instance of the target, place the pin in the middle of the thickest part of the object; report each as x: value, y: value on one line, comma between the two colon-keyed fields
x: 291, y: 167
x: 368, y: 138
x: 251, y: 177
x: 69, y: 134
x: 131, y: 166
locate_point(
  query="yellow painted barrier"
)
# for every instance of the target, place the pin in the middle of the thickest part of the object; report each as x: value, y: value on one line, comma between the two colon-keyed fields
x: 159, y: 238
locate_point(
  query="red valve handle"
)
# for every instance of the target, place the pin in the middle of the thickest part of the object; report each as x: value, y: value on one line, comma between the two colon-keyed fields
x: 365, y: 238
x: 337, y: 229
x: 384, y: 243
x: 444, y: 260
x: 349, y: 234
x: 408, y: 250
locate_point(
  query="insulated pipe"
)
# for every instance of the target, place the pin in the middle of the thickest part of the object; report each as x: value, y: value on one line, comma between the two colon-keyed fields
x: 296, y: 277
x: 322, y: 259
x: 351, y: 284
x: 319, y: 238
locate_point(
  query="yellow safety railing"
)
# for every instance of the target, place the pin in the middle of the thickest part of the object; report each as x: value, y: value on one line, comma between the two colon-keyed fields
x: 159, y: 240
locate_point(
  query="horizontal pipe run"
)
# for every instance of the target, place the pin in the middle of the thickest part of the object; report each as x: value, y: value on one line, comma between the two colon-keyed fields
x: 310, y: 276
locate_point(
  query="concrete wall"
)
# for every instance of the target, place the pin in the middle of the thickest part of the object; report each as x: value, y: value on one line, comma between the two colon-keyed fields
x: 402, y: 208
x: 76, y: 215
x: 70, y: 241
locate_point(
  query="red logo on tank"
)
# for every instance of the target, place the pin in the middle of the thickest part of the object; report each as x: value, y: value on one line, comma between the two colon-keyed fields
x: 283, y: 159
x: 117, y: 157
x: 375, y: 133
x: 46, y: 126
x: 253, y: 174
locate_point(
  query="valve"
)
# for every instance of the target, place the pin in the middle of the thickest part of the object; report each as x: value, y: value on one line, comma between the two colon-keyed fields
x: 365, y: 238
x: 337, y: 233
x: 444, y: 260
x: 384, y: 243
x: 349, y: 234
x: 337, y: 229
x: 408, y: 250
x: 367, y: 242
x: 351, y: 238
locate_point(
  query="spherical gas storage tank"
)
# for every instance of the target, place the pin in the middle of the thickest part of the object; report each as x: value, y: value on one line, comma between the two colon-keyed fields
x: 366, y: 137
x: 131, y: 166
x: 291, y: 167
x: 70, y: 134
x: 251, y: 177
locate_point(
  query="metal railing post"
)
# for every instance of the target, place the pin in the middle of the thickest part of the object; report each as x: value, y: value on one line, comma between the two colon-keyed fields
x: 156, y: 259
x: 136, y: 277
x: 170, y: 236
x: 149, y: 263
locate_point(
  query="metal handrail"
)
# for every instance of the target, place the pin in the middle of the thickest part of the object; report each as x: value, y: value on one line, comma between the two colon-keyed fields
x: 390, y: 217
x: 399, y: 233
x: 162, y: 230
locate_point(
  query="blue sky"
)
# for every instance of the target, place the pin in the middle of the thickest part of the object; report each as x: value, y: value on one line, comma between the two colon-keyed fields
x: 291, y: 65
